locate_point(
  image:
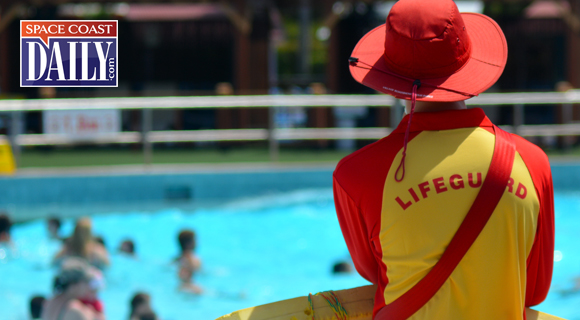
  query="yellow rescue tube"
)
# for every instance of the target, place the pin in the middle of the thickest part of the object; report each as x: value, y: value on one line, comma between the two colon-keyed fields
x: 357, y: 302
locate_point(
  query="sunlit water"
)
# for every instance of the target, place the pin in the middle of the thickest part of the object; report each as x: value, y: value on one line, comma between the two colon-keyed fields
x: 253, y: 251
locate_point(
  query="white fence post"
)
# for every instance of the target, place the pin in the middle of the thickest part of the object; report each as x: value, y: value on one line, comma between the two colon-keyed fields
x: 15, y: 131
x: 273, y: 144
x: 146, y: 124
x: 518, y: 117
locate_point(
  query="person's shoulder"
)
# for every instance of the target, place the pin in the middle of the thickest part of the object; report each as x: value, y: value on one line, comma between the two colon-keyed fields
x: 190, y: 259
x: 196, y: 261
x: 534, y: 157
x: 361, y: 157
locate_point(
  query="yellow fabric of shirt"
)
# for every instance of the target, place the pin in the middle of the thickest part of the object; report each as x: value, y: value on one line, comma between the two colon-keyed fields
x: 421, y: 214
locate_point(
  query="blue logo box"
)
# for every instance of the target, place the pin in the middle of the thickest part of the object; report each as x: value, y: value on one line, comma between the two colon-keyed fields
x: 68, y: 53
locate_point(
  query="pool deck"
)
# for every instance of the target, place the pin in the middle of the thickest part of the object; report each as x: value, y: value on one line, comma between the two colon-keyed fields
x: 174, y: 168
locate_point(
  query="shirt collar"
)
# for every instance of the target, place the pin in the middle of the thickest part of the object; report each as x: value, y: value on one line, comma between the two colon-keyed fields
x: 445, y: 120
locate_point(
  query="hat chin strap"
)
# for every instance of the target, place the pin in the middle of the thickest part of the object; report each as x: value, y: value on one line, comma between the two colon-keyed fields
x: 353, y: 61
x: 416, y: 85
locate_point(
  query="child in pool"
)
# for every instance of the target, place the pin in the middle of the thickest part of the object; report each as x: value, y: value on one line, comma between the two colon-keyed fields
x: 82, y: 245
x: 127, y: 247
x: 53, y: 225
x: 188, y: 262
x: 5, y: 225
x: 36, y: 304
x: 75, y: 288
x: 7, y: 247
x: 141, y: 307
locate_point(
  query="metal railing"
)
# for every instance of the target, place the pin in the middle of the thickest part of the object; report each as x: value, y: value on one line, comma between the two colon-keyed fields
x: 272, y: 134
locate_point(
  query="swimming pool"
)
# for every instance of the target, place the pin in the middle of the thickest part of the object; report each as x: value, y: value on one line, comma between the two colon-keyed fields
x: 254, y: 251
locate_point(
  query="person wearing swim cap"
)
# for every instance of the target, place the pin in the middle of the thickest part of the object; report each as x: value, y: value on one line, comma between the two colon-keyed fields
x: 407, y: 202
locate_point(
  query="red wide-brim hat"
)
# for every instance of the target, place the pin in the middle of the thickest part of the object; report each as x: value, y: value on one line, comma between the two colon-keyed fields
x: 485, y: 61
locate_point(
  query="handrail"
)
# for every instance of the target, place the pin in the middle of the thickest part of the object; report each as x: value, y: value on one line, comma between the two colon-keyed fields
x: 261, y: 101
x: 262, y: 134
x: 208, y: 135
x: 272, y: 134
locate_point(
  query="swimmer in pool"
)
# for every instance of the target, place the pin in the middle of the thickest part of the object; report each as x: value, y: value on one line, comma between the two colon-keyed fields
x: 341, y: 267
x: 82, y: 245
x: 127, y: 247
x: 53, y: 224
x: 76, y: 281
x: 5, y: 225
x: 36, y: 304
x: 188, y: 262
x: 141, y: 307
x: 7, y: 246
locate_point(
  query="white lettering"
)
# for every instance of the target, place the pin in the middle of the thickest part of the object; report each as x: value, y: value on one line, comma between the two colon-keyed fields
x: 102, y: 59
x: 407, y: 93
x: 111, y: 68
x: 73, y: 60
x: 31, y: 61
x: 86, y: 29
x: 50, y: 28
x: 55, y: 54
x: 85, y: 62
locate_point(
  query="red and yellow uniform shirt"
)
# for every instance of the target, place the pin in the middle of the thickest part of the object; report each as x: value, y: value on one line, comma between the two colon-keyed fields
x: 397, y: 231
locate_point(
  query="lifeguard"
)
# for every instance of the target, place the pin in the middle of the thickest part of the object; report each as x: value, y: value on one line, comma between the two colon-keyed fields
x: 401, y: 200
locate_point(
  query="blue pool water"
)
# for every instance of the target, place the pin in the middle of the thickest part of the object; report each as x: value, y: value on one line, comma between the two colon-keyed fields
x: 563, y: 300
x: 254, y: 251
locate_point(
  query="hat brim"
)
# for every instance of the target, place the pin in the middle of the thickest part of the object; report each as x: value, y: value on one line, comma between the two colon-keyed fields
x: 485, y: 65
